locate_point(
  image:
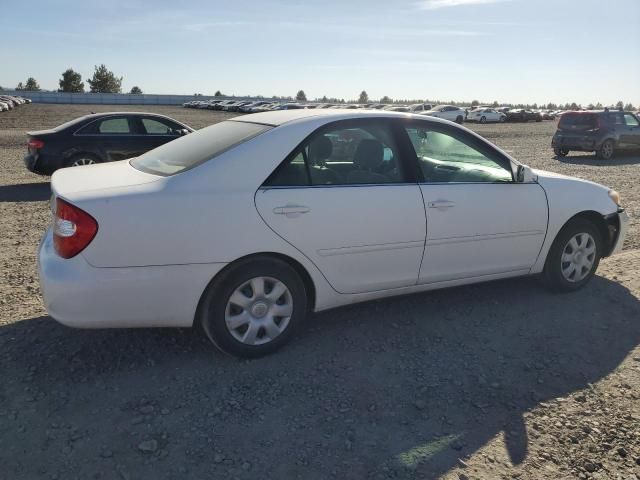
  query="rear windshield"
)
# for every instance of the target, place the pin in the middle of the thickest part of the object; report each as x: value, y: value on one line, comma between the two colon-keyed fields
x: 196, y: 148
x: 578, y: 120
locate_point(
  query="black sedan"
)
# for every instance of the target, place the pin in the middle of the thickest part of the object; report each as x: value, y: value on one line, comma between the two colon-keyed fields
x: 100, y: 137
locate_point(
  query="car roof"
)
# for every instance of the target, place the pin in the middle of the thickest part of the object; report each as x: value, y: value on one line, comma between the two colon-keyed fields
x: 280, y: 117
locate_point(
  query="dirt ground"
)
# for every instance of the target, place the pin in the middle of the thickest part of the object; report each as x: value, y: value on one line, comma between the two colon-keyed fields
x: 493, y: 381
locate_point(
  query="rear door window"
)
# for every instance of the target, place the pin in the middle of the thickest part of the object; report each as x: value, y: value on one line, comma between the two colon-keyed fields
x: 349, y: 153
x: 113, y: 126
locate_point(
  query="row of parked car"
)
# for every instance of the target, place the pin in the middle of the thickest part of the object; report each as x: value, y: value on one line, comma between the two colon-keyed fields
x: 481, y: 114
x: 9, y: 102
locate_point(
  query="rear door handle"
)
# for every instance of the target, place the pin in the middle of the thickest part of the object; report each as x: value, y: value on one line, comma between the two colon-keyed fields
x: 291, y: 211
x: 441, y: 204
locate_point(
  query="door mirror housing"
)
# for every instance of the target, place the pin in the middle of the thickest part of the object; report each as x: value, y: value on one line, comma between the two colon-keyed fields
x: 524, y: 174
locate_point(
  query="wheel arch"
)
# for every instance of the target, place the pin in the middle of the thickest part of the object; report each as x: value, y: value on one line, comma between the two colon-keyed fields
x: 307, y: 281
x: 601, y: 224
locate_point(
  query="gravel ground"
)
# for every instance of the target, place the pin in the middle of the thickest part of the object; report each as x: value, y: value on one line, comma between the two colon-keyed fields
x: 501, y: 380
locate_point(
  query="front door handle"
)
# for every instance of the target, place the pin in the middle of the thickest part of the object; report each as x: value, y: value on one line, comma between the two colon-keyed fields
x: 441, y: 204
x: 291, y: 211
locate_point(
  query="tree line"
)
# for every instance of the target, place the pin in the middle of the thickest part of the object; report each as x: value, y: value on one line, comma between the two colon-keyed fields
x: 102, y: 81
x: 105, y: 81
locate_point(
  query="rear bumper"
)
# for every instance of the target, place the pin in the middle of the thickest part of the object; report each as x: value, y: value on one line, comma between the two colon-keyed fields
x: 38, y: 163
x: 77, y: 294
x: 584, y: 144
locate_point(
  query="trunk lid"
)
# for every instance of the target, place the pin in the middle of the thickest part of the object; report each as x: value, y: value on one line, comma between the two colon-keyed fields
x: 74, y: 182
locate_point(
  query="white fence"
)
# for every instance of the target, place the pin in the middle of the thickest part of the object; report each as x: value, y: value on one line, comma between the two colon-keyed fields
x: 107, y: 98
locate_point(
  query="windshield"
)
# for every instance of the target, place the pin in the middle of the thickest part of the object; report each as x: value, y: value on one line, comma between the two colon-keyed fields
x: 196, y: 148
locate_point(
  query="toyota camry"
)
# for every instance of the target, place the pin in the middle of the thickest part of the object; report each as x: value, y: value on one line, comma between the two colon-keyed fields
x: 246, y: 226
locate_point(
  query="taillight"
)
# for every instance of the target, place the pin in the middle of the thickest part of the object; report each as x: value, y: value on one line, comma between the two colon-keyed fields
x: 73, y: 229
x: 35, y: 143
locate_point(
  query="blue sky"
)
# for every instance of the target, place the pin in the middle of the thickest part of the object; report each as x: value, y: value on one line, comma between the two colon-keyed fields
x: 505, y: 50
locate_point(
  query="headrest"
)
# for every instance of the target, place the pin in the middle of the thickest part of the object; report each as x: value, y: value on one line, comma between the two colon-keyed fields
x: 320, y: 149
x: 369, y: 154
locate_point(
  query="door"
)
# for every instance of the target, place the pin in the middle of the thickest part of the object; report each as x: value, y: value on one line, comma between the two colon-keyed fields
x: 344, y: 200
x: 630, y: 134
x: 114, y: 136
x: 479, y: 221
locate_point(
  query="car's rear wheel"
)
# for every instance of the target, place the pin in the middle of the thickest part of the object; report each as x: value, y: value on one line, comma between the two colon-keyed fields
x: 560, y: 152
x: 574, y: 256
x: 459, y: 119
x: 254, y: 308
x: 503, y: 119
x: 606, y: 150
x: 82, y: 159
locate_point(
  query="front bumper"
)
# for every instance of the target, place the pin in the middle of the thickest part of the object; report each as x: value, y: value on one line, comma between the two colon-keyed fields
x: 618, y: 231
x: 77, y: 294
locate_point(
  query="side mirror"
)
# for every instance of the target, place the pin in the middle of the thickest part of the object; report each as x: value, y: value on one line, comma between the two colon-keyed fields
x: 524, y: 174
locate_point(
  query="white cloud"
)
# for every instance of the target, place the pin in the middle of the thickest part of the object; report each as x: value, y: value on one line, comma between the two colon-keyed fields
x: 436, y: 4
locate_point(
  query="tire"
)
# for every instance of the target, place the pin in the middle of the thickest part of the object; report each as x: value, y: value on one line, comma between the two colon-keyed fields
x: 560, y: 152
x: 503, y: 119
x: 244, y: 323
x: 483, y: 119
x: 82, y: 159
x: 606, y: 150
x: 571, y: 249
x: 459, y: 119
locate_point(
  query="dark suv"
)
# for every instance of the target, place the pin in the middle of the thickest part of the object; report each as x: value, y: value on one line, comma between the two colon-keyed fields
x: 604, y: 132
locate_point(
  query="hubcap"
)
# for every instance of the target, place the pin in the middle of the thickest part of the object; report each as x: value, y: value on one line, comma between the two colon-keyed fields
x: 607, y: 149
x: 259, y: 310
x: 83, y: 161
x: 578, y: 257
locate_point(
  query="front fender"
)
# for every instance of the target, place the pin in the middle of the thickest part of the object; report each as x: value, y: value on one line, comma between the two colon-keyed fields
x: 568, y: 197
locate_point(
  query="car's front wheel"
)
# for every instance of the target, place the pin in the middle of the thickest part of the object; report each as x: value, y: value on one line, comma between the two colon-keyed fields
x: 459, y: 119
x: 254, y: 308
x: 574, y: 256
x: 483, y: 119
x: 606, y: 150
x: 560, y: 152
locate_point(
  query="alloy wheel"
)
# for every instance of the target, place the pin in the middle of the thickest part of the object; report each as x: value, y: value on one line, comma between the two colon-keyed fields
x: 83, y: 161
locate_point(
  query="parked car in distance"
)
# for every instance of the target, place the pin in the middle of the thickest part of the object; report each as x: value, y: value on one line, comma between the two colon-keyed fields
x: 10, y: 101
x: 398, y: 108
x: 420, y: 107
x: 522, y: 115
x: 603, y: 132
x: 239, y: 227
x: 98, y: 138
x: 246, y: 108
x: 448, y: 112
x: 484, y: 115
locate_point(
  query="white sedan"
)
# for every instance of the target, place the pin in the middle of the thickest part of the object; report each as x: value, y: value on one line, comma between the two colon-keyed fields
x: 246, y: 226
x: 447, y: 112
x: 485, y: 115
